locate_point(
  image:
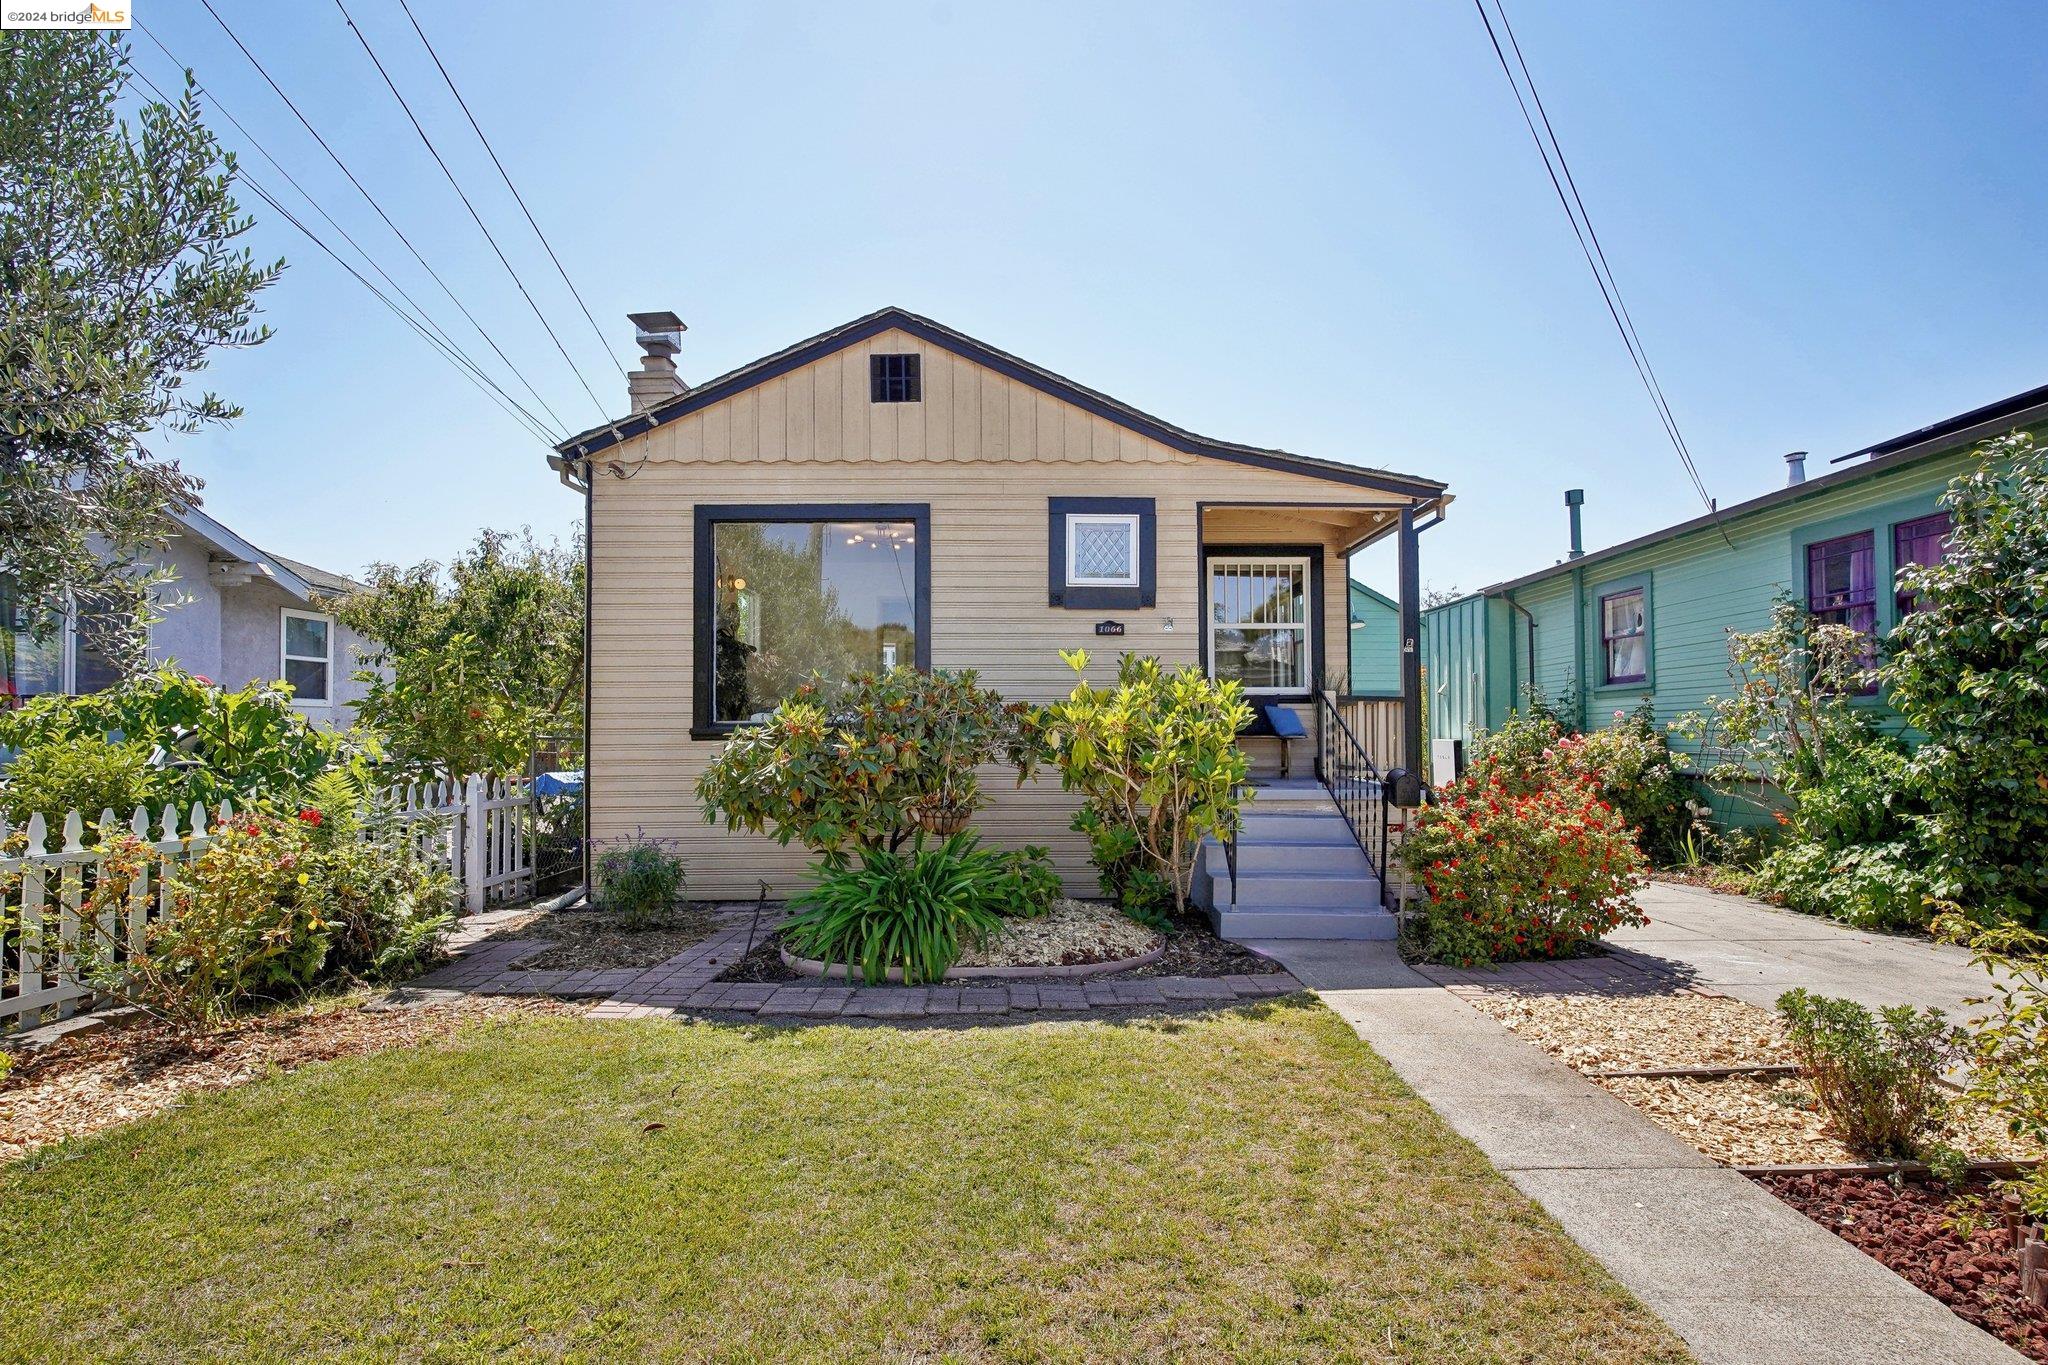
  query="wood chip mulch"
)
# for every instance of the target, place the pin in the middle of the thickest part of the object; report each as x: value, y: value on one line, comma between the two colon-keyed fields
x: 95, y: 1081
x: 1911, y: 1228
x: 1737, y: 1120
x: 595, y: 939
x: 1593, y: 1031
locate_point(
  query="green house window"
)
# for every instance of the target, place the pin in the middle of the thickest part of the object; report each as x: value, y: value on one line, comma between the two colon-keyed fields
x: 1624, y: 638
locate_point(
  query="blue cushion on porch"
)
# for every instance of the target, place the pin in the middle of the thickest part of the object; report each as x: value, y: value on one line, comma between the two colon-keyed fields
x: 1280, y: 721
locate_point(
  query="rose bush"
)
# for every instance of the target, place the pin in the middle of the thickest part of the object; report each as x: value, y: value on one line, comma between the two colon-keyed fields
x: 1511, y: 874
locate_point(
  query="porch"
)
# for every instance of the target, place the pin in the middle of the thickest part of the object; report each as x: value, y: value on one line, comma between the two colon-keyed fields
x: 1333, y: 765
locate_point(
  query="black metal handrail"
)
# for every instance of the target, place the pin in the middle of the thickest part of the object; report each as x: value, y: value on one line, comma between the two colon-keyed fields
x: 1355, y: 783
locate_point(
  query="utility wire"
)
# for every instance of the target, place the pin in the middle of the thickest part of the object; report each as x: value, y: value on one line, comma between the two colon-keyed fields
x: 602, y: 412
x: 418, y: 309
x: 504, y: 175
x: 1589, y: 246
x: 371, y: 199
x: 240, y: 174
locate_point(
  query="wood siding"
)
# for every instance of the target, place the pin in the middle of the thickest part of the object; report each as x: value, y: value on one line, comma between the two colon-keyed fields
x: 985, y: 453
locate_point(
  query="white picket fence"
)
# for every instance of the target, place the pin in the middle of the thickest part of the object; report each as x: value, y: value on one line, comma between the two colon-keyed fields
x: 479, y: 829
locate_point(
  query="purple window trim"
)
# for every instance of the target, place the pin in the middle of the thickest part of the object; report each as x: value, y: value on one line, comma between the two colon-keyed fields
x: 1607, y: 641
x: 1923, y: 541
x: 1850, y: 561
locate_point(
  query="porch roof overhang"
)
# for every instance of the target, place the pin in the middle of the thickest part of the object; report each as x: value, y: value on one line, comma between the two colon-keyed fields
x: 1359, y: 522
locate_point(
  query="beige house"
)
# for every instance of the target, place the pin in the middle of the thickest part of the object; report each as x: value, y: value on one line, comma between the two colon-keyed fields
x: 894, y: 492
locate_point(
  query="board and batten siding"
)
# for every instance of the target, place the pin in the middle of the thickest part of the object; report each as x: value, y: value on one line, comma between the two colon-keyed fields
x: 985, y: 453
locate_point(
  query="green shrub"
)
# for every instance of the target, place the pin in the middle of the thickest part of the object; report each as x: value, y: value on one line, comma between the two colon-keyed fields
x: 868, y: 764
x: 84, y: 773
x: 218, y: 745
x: 1029, y: 884
x: 1877, y: 1076
x: 1158, y: 764
x: 1510, y: 875
x: 639, y: 880
x: 272, y: 906
x: 2007, y: 1049
x: 910, y: 912
x: 1969, y: 670
x: 1876, y: 886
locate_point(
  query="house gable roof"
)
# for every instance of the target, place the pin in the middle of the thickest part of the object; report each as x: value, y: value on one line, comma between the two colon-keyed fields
x: 737, y: 381
x: 302, y: 581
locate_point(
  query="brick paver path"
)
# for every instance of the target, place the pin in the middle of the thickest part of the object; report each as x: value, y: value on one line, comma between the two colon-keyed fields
x: 683, y: 985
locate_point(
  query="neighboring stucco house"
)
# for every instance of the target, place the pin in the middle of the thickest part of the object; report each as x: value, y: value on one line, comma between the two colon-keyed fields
x: 233, y: 613
x: 1650, y: 617
x: 892, y: 491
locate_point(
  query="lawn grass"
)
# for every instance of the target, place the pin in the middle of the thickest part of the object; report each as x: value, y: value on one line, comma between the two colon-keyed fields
x: 1248, y: 1185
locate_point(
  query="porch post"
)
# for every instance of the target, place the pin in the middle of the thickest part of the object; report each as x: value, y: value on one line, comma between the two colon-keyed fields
x: 1411, y: 648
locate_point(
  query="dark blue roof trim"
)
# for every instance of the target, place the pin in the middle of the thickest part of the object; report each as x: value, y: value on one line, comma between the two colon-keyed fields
x: 717, y: 390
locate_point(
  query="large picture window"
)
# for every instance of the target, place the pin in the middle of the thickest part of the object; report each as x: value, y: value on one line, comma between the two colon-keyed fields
x: 1259, y: 621
x: 782, y: 596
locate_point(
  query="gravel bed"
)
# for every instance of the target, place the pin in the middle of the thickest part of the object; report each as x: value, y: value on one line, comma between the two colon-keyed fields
x: 1188, y: 948
x: 597, y: 939
x: 1593, y: 1031
x: 1070, y: 934
x: 99, y: 1080
x: 1911, y: 1229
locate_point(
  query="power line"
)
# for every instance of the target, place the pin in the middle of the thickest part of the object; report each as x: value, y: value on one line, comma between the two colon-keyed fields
x: 507, y: 178
x: 441, y: 332
x: 371, y: 199
x: 602, y: 412
x: 1589, y: 246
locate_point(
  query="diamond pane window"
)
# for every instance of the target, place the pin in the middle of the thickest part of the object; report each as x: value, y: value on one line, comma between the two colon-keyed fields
x: 1102, y: 550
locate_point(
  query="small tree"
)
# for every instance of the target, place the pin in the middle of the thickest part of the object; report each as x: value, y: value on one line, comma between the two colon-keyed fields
x: 484, y: 658
x: 119, y: 276
x: 1158, y: 761
x: 1969, y: 669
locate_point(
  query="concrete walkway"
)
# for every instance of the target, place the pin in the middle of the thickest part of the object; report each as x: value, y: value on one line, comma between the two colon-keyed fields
x: 1741, y: 1276
x: 1755, y: 952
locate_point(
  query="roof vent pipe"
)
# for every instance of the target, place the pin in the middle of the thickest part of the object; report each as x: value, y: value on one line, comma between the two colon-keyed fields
x: 1574, y: 499
x: 1795, y: 469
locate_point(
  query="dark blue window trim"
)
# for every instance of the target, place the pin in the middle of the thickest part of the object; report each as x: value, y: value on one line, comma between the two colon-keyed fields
x: 1087, y: 597
x: 704, y: 570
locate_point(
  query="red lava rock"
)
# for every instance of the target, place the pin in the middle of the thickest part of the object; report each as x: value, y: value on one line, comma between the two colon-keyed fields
x: 1908, y: 1229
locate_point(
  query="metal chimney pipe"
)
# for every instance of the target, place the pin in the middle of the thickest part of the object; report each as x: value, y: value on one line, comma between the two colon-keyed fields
x: 1574, y: 499
x: 1795, y: 469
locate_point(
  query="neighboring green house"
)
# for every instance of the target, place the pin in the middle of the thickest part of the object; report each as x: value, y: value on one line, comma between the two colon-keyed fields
x: 1600, y: 632
x: 1375, y: 643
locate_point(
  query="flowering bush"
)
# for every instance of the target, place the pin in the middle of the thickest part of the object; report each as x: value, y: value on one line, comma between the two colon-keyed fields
x: 274, y: 904
x: 1521, y: 874
x: 1629, y: 761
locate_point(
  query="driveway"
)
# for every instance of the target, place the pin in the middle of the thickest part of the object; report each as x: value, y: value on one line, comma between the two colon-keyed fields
x: 1755, y: 952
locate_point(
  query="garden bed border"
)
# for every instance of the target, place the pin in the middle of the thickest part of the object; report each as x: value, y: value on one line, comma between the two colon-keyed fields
x: 837, y: 971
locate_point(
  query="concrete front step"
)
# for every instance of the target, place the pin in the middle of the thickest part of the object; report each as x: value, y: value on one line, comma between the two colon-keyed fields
x: 1242, y: 925
x: 1309, y: 827
x: 1323, y: 857
x: 1300, y: 890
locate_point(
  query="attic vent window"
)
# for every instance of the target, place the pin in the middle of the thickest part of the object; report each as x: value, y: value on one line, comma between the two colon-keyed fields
x: 894, y: 379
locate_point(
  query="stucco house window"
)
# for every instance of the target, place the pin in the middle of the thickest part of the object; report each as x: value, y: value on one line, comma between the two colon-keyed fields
x: 306, y: 655
x: 1924, y: 541
x: 1259, y: 622
x: 1624, y: 637
x: 781, y: 595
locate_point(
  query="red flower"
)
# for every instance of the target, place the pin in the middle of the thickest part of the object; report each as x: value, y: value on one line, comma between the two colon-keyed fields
x: 311, y: 817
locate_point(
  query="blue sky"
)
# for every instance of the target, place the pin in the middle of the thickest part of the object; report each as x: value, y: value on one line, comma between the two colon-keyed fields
x: 1320, y: 227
